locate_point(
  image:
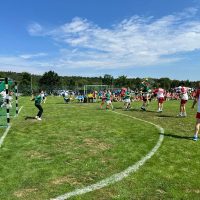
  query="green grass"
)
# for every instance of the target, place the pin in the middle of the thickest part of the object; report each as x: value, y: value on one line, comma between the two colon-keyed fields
x: 76, y: 145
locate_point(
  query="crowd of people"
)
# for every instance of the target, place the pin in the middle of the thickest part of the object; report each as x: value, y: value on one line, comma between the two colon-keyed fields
x: 145, y: 94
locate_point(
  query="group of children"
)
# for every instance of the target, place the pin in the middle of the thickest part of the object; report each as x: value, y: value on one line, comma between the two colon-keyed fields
x: 159, y: 93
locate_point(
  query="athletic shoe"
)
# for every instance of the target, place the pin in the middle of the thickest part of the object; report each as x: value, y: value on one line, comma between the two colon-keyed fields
x: 36, y: 117
x: 179, y: 115
x: 39, y: 119
x: 142, y: 108
x: 184, y: 115
x: 195, y: 138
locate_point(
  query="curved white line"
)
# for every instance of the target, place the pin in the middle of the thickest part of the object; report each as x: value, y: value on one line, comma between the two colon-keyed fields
x: 119, y: 176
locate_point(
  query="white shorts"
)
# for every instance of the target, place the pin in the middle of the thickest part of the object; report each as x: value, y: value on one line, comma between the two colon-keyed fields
x: 108, y: 102
x: 127, y: 100
x: 146, y: 95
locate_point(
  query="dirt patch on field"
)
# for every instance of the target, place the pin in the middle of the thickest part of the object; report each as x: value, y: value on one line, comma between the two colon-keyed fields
x: 65, y: 179
x: 96, y: 145
x: 25, y: 192
x: 196, y: 191
x: 37, y: 155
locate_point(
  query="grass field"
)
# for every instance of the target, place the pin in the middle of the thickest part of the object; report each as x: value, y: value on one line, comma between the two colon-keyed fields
x: 3, y: 121
x: 76, y: 145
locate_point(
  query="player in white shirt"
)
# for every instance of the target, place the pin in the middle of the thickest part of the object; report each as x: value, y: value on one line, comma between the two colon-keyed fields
x: 184, y: 99
x: 42, y: 94
x: 4, y: 97
x: 161, y: 98
x: 197, y: 100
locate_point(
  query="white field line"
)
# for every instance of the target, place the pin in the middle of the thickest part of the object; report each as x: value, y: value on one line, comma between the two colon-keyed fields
x: 119, y: 176
x: 6, y: 131
x: 4, y: 135
x: 20, y: 109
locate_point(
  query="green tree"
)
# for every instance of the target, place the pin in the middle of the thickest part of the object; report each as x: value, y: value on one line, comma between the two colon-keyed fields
x: 121, y: 81
x: 24, y: 85
x: 107, y: 79
x: 49, y: 81
x: 165, y: 83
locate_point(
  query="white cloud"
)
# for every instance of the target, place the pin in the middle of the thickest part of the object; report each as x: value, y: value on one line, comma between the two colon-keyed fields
x: 35, y: 29
x: 30, y: 56
x: 20, y: 64
x: 77, y: 25
x: 137, y: 41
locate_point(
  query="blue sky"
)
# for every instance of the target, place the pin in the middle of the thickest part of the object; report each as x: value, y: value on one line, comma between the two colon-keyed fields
x: 136, y: 38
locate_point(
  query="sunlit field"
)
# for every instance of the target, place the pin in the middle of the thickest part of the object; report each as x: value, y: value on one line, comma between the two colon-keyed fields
x: 77, y: 144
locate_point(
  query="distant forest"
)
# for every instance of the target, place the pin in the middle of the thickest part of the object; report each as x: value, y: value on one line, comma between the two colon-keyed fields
x: 50, y: 81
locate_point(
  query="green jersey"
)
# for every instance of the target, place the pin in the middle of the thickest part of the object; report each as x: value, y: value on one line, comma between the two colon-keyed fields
x: 38, y: 99
x: 108, y: 96
x: 145, y: 88
x: 127, y: 95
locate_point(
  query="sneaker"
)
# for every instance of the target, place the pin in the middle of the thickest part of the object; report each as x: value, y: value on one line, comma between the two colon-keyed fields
x: 36, y: 117
x: 195, y: 138
x: 143, y: 108
x: 179, y: 115
x: 39, y: 119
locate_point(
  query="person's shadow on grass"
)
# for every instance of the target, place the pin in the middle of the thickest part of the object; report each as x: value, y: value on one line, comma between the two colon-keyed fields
x: 29, y: 117
x: 177, y: 136
x: 167, y: 116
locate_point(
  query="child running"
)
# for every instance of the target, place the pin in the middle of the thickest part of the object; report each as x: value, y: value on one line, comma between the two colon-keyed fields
x: 160, y: 97
x: 197, y: 100
x: 184, y: 99
x: 127, y: 100
x: 145, y: 94
x: 38, y: 100
x: 108, y: 100
x: 103, y: 99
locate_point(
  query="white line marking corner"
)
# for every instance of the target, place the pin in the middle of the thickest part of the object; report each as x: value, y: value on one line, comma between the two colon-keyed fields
x: 121, y: 175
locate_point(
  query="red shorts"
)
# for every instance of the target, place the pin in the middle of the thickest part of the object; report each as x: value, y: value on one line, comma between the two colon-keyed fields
x: 198, y: 115
x: 103, y: 99
x: 144, y: 99
x: 161, y: 100
x: 183, y: 102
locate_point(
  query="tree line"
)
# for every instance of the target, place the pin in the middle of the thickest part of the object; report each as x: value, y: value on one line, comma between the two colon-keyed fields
x: 51, y: 81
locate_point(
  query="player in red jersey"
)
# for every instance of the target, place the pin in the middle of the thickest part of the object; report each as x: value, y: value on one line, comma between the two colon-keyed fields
x: 184, y: 99
x: 160, y: 96
x: 103, y: 98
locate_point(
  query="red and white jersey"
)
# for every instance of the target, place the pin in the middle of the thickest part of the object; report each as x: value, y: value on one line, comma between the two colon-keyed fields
x: 198, y: 100
x: 160, y: 93
x: 184, y: 94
